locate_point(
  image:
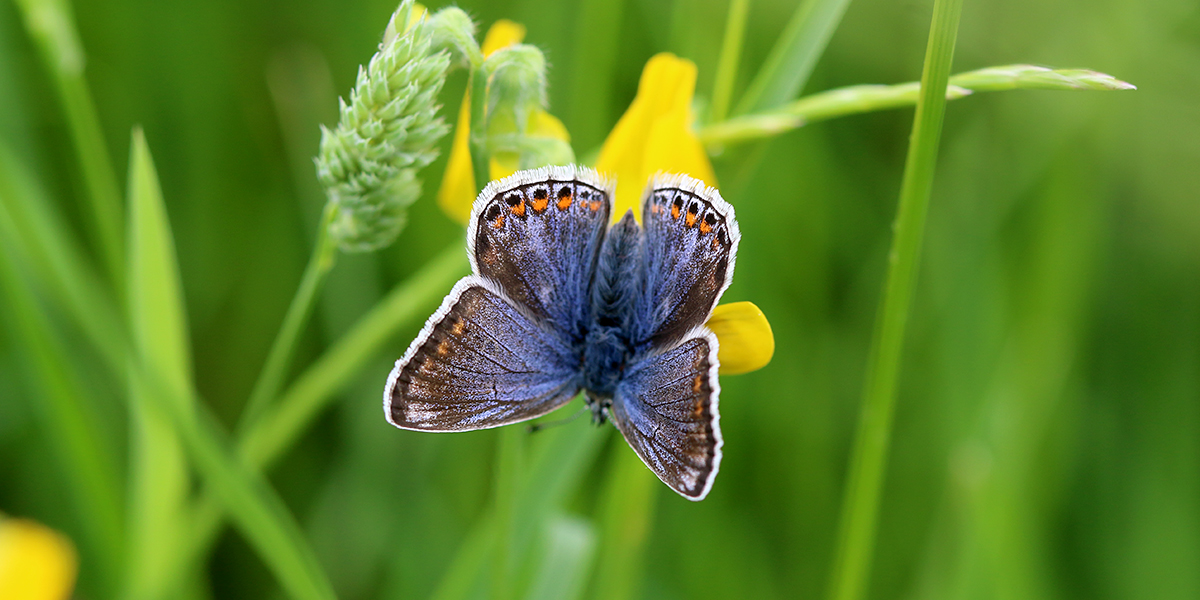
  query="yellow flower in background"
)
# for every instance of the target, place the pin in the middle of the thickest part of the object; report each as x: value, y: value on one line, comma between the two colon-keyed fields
x: 746, y: 341
x: 655, y: 134
x: 459, y: 188
x: 36, y: 562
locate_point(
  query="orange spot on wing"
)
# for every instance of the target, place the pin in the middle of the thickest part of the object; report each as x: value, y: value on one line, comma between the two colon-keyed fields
x: 519, y: 209
x: 565, y: 202
x: 690, y: 219
x: 656, y: 209
x: 443, y: 348
x: 457, y: 328
x: 595, y: 205
x: 540, y: 204
x: 499, y: 222
x: 697, y: 383
x: 705, y: 227
x: 674, y: 212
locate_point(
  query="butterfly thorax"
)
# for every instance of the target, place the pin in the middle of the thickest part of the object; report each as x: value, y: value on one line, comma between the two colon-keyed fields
x: 606, y: 348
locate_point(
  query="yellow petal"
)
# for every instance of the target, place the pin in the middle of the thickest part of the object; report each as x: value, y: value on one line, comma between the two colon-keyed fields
x: 744, y: 335
x: 36, y: 562
x: 457, y: 192
x: 655, y: 133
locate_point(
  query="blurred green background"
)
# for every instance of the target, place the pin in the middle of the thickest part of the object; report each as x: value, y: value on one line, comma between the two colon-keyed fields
x: 1047, y: 435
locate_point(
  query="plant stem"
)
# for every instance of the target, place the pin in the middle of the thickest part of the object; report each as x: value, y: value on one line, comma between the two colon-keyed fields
x: 270, y: 379
x: 727, y: 64
x: 869, y: 98
x: 52, y: 27
x: 860, y: 508
x: 480, y: 163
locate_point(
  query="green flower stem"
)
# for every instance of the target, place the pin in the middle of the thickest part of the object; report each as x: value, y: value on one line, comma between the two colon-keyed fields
x: 727, y: 64
x: 860, y: 508
x: 52, y: 27
x: 270, y: 379
x: 869, y: 98
x: 280, y: 425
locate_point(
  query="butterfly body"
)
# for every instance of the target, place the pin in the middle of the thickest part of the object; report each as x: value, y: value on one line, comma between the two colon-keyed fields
x: 560, y: 302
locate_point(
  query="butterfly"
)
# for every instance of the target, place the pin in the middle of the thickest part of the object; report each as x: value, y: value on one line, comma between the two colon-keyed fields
x: 560, y: 302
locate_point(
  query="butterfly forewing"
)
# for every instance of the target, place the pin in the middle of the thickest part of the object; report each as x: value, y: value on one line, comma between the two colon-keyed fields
x: 537, y: 235
x: 666, y: 407
x: 690, y: 245
x: 478, y: 363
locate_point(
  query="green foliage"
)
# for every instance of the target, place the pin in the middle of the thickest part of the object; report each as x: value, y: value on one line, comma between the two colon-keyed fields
x: 1044, y: 439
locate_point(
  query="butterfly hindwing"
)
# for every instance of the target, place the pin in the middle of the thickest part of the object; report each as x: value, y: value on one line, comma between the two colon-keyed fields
x: 690, y: 245
x: 479, y: 363
x: 666, y: 407
x: 537, y: 235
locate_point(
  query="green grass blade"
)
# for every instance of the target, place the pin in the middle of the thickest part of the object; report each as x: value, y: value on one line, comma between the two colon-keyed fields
x: 727, y: 63
x: 860, y: 508
x: 794, y: 55
x: 89, y: 462
x: 56, y: 263
x: 314, y: 389
x: 160, y: 480
x: 52, y: 26
x: 163, y: 379
x: 858, y: 99
x: 593, y: 70
x: 566, y: 559
x: 625, y: 521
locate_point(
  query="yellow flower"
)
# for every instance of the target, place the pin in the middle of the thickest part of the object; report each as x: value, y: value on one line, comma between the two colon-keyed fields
x: 458, y: 190
x: 36, y: 562
x: 655, y: 134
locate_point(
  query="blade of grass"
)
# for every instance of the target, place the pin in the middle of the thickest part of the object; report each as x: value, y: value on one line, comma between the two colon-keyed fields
x: 282, y: 423
x: 566, y: 559
x: 593, y: 67
x: 794, y: 55
x: 52, y: 27
x: 162, y: 375
x: 727, y: 64
x: 271, y: 378
x: 868, y: 98
x: 56, y: 263
x: 627, y: 513
x: 860, y: 508
x: 159, y: 473
x: 89, y: 464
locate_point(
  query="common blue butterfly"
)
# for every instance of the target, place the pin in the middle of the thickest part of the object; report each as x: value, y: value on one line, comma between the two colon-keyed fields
x: 559, y: 301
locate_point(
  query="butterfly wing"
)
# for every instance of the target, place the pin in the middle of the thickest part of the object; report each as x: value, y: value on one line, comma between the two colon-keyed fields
x: 666, y: 407
x: 479, y: 363
x: 690, y: 244
x: 537, y: 235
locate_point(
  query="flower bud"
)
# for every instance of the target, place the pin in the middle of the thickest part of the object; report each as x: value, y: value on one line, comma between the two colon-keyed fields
x: 452, y: 30
x: 516, y: 77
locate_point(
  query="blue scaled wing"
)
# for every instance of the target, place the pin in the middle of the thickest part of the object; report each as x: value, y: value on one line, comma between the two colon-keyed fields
x: 666, y: 407
x: 537, y: 235
x: 690, y: 245
x: 479, y: 363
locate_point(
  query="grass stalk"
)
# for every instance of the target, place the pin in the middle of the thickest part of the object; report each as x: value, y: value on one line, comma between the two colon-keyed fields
x: 727, y: 63
x: 52, y: 27
x: 860, y: 508
x: 858, y: 99
x: 270, y: 380
x: 795, y: 54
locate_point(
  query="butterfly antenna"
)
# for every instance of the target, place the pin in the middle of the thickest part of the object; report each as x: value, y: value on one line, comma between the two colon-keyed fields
x: 536, y: 427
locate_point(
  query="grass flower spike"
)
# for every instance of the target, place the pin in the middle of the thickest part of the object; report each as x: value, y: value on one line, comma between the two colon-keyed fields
x: 388, y: 130
x: 655, y: 133
x: 36, y: 562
